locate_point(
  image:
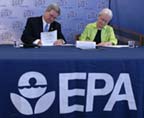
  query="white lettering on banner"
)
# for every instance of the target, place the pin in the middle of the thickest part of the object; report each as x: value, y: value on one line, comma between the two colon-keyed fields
x: 33, y: 85
x: 128, y: 96
x: 65, y: 93
x: 91, y: 91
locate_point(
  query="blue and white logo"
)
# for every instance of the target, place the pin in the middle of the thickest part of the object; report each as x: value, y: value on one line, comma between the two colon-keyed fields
x: 32, y: 85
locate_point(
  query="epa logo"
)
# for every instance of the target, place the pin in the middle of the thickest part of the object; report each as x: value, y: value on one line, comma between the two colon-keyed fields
x: 32, y: 85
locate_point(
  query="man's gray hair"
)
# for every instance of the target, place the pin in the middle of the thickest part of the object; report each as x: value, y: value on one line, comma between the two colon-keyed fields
x: 106, y: 11
x: 54, y: 7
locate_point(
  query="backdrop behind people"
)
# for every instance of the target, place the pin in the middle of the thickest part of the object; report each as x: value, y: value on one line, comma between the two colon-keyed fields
x: 100, y: 31
x: 36, y: 25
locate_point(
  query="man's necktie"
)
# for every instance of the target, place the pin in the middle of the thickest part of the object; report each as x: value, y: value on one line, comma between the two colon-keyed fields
x: 46, y: 28
x: 97, y: 38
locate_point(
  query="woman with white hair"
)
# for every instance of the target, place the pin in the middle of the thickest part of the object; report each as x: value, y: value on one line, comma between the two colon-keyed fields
x: 100, y: 31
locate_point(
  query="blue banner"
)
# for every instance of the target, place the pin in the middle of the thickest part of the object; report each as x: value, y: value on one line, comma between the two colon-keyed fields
x: 75, y: 83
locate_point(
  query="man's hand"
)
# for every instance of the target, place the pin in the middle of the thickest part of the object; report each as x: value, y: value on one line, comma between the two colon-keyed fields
x: 37, y: 42
x: 59, y: 42
x: 104, y: 44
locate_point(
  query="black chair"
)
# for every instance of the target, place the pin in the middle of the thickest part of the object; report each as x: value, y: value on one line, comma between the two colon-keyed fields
x: 77, y: 37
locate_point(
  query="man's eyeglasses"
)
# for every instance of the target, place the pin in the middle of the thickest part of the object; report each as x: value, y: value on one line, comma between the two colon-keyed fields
x: 52, y: 16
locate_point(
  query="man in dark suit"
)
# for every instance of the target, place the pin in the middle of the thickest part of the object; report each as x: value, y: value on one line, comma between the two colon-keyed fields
x: 36, y: 25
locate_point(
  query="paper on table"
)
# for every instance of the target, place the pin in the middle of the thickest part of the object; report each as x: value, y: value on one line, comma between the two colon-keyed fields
x: 68, y: 44
x: 48, y: 38
x: 85, y: 44
x: 117, y: 46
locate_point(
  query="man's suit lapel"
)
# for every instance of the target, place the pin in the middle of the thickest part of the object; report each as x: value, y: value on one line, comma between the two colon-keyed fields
x: 37, y: 27
x: 40, y: 24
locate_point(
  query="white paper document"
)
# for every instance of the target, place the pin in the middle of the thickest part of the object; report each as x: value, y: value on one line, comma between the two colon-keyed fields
x: 118, y: 46
x: 48, y: 38
x: 85, y: 44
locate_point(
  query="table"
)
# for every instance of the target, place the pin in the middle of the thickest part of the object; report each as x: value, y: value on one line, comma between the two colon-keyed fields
x: 64, y: 81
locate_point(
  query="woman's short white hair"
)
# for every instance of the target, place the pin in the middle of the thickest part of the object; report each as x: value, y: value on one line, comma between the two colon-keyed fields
x: 106, y: 11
